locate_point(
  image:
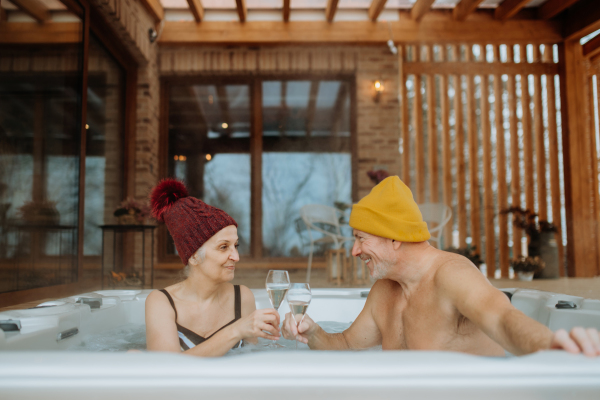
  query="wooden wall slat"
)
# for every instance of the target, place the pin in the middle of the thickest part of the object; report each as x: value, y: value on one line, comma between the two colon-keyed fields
x: 431, y: 131
x: 553, y: 162
x: 515, y: 180
x: 418, y: 129
x: 459, y: 140
x: 446, y: 150
x: 404, y: 115
x: 529, y: 182
x: 540, y: 148
x: 488, y: 195
x: 593, y: 270
x: 501, y: 171
x: 473, y: 164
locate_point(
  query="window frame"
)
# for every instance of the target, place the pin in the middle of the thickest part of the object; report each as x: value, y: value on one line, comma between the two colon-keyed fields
x: 255, y: 82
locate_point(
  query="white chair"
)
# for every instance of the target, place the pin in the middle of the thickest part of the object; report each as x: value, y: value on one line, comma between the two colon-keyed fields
x: 437, y: 215
x: 323, y: 223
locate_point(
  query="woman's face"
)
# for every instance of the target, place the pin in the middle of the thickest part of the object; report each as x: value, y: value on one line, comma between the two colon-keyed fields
x: 220, y: 255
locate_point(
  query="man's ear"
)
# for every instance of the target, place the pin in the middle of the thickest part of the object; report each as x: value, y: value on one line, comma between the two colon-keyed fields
x: 396, y: 244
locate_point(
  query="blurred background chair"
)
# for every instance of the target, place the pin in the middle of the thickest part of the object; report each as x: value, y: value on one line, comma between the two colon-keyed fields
x: 437, y: 215
x: 323, y: 226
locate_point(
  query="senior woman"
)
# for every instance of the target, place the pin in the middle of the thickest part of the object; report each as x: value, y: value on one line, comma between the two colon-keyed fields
x: 204, y: 315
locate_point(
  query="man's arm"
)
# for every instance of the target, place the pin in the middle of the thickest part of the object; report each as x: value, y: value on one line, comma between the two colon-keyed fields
x: 475, y: 298
x: 362, y: 334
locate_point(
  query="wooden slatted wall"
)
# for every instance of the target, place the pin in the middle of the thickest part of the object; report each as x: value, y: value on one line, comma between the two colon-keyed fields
x: 473, y: 138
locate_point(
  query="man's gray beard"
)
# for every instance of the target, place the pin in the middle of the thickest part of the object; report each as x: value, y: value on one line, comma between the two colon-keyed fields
x: 380, y: 270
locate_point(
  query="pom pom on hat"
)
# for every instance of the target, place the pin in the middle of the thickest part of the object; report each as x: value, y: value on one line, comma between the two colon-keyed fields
x: 164, y: 195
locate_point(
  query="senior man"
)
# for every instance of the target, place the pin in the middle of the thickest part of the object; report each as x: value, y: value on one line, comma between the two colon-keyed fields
x: 428, y: 299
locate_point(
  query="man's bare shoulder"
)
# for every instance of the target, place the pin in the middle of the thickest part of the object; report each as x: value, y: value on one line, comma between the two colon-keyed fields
x: 383, y: 288
x: 456, y: 270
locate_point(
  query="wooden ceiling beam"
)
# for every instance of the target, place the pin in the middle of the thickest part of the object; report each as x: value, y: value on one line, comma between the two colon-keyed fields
x: 592, y: 47
x: 464, y: 8
x: 331, y: 9
x: 34, y: 33
x: 155, y: 9
x: 436, y: 28
x: 420, y: 8
x: 242, y: 10
x: 552, y: 8
x: 3, y: 15
x: 508, y: 8
x: 376, y: 8
x: 286, y: 10
x: 197, y: 9
x: 581, y: 19
x: 34, y: 8
x: 74, y: 7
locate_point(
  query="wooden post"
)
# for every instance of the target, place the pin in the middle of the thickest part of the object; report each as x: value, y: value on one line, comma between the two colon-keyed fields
x: 446, y: 154
x: 431, y: 132
x: 460, y: 155
x: 488, y: 195
x: 540, y: 148
x: 404, y: 116
x: 579, y: 197
x: 473, y: 161
x: 418, y: 128
x: 501, y: 171
x: 527, y: 134
x: 553, y: 161
x: 515, y: 180
x: 256, y: 144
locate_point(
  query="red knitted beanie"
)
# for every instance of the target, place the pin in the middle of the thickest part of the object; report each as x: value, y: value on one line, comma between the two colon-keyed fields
x: 190, y: 221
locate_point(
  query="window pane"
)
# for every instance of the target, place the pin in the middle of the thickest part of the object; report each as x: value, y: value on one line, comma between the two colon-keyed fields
x: 209, y: 148
x: 306, y: 156
x: 40, y: 108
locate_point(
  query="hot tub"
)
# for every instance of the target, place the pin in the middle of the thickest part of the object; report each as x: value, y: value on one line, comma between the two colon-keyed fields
x: 35, y: 361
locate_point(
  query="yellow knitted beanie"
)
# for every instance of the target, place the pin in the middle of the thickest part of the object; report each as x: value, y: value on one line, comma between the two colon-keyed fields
x: 390, y: 211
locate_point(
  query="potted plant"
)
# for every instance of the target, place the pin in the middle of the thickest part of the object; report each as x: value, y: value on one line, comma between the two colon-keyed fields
x: 469, y: 252
x: 132, y: 212
x: 378, y: 175
x: 541, y: 239
x: 526, y: 267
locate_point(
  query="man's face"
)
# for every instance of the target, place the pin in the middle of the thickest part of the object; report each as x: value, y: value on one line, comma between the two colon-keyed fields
x: 375, y: 251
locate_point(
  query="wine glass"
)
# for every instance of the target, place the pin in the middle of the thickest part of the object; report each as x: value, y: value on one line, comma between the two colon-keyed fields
x: 278, y: 283
x: 298, y: 297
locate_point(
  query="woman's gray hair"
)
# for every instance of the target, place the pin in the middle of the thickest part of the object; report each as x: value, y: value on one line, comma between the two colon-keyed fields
x: 202, y: 254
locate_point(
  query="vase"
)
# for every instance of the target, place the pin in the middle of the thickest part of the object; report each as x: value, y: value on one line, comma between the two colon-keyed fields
x: 548, y: 252
x: 525, y: 276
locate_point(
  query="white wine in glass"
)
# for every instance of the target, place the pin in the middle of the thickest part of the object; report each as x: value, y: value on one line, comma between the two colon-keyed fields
x: 298, y: 297
x: 278, y: 283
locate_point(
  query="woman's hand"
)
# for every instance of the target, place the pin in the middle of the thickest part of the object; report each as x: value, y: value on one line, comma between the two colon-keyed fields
x: 266, y: 319
x: 300, y: 333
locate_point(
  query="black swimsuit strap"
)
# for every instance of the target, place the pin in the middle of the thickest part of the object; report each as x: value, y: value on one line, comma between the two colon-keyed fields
x: 238, y: 302
x: 170, y: 301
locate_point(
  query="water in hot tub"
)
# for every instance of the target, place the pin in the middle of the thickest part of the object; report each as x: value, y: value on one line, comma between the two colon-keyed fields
x: 133, y: 337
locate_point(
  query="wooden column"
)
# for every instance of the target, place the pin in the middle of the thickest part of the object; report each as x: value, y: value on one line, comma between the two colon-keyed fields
x: 527, y: 134
x: 515, y: 179
x: 501, y: 171
x: 580, y: 205
x: 460, y: 155
x: 488, y: 195
x: 540, y: 148
x: 256, y: 144
x: 473, y: 164
x: 431, y: 132
x: 446, y: 151
x: 405, y: 131
x: 553, y: 161
x: 418, y: 129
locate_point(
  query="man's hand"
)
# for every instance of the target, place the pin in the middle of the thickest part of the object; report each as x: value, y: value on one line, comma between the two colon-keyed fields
x: 300, y: 333
x: 579, y: 340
